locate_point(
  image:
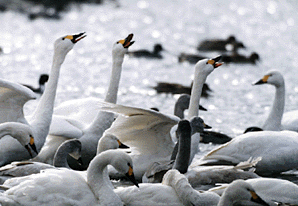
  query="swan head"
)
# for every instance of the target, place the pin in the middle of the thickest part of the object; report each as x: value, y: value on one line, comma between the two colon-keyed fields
x: 23, y: 134
x: 109, y: 141
x: 123, y: 163
x: 239, y: 190
x: 273, y: 77
x: 121, y: 46
x: 206, y: 66
x: 198, y: 125
x: 76, y: 148
x: 64, y: 44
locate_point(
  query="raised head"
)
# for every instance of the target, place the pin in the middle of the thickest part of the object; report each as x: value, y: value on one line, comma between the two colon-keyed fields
x: 272, y: 77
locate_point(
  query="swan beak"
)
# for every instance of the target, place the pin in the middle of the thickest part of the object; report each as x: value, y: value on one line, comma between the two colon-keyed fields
x: 127, y: 41
x: 131, y: 176
x: 29, y: 150
x: 215, y: 62
x: 121, y: 145
x: 202, y: 108
x: 206, y: 126
x: 77, y: 37
x: 263, y: 80
x: 32, y: 145
x: 256, y: 198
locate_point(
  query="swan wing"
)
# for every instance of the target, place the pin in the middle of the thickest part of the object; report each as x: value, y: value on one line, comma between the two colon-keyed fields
x: 65, y: 127
x: 13, y: 96
x: 148, y: 131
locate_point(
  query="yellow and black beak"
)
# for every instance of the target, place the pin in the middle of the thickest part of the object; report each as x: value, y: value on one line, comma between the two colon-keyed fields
x: 77, y: 37
x: 127, y: 41
x: 256, y: 198
x: 121, y: 145
x: 32, y: 146
x: 131, y: 177
x: 206, y: 126
x: 215, y: 62
x: 263, y: 80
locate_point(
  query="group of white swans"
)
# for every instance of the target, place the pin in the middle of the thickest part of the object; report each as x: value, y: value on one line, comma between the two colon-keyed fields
x: 84, y: 135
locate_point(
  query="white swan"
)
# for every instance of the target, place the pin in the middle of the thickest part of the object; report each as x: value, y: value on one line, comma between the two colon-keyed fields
x: 271, y: 190
x: 176, y: 190
x: 278, y: 120
x: 81, y: 119
x: 21, y: 133
x: 14, y: 96
x: 148, y: 132
x: 18, y: 169
x: 67, y: 187
x: 278, y: 150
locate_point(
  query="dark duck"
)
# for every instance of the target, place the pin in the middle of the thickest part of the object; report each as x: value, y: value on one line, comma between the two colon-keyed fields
x: 143, y: 53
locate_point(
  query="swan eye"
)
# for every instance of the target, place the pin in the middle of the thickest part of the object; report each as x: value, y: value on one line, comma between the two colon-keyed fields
x: 63, y: 38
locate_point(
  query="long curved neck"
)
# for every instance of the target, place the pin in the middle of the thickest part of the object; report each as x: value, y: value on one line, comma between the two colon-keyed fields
x: 5, y: 129
x: 42, y: 116
x: 97, y: 181
x: 60, y: 158
x: 199, y: 80
x: 98, y: 125
x: 273, y: 122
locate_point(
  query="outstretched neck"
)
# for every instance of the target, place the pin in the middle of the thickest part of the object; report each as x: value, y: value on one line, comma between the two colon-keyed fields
x: 42, y: 117
x: 196, y: 92
x: 98, y: 125
x: 273, y: 122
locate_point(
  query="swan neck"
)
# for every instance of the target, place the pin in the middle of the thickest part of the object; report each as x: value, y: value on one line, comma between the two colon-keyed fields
x: 5, y: 129
x: 42, y: 116
x: 111, y: 95
x: 60, y: 158
x: 183, y: 155
x: 178, y: 112
x: 98, y: 126
x: 273, y: 122
x: 196, y: 92
x: 98, y: 182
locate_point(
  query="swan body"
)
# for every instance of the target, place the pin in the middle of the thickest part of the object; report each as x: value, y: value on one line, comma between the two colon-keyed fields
x: 174, y: 190
x: 51, y: 187
x: 271, y: 190
x: 23, y: 168
x: 278, y: 150
x: 88, y: 134
x: 14, y: 97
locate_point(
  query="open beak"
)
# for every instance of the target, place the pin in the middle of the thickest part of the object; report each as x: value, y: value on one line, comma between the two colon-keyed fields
x: 131, y: 176
x: 121, y: 145
x: 76, y: 37
x: 127, y: 41
x: 215, y: 62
